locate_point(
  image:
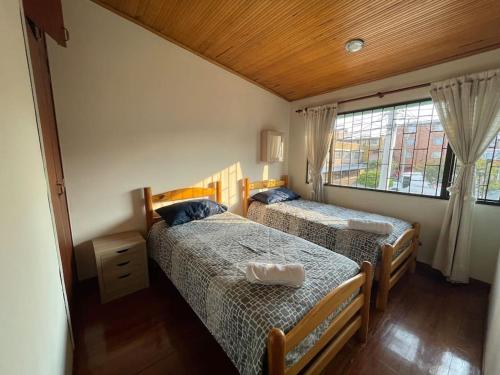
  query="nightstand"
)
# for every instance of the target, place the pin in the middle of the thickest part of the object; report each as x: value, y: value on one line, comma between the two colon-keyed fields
x: 122, y: 264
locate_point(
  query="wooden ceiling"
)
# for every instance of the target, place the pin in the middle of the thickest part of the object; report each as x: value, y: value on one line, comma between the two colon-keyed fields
x: 296, y: 48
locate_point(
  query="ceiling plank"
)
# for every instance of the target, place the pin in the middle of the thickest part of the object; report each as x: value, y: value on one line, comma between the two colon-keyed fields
x: 295, y: 48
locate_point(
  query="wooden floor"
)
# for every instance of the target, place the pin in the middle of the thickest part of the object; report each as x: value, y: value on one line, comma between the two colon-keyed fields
x: 430, y: 327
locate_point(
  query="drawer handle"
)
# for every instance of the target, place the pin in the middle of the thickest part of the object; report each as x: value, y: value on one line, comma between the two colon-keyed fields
x: 124, y: 276
x: 122, y: 251
x: 123, y: 263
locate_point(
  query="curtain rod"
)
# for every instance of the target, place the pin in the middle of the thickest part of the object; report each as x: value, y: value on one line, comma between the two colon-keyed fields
x: 377, y: 95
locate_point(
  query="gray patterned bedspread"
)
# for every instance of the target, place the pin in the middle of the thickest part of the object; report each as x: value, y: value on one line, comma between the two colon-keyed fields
x: 206, y: 261
x: 326, y: 225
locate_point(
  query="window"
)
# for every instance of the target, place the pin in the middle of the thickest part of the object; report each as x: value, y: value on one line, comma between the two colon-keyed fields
x: 403, y: 149
x: 389, y: 149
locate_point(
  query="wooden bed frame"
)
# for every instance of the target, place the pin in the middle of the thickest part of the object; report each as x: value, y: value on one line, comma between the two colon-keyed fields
x: 151, y: 202
x: 388, y: 271
x: 353, y: 319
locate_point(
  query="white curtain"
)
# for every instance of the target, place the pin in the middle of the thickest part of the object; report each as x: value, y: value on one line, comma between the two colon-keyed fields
x: 468, y: 108
x: 319, y: 122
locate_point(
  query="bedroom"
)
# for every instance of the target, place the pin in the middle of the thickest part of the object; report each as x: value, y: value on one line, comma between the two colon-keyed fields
x: 141, y: 99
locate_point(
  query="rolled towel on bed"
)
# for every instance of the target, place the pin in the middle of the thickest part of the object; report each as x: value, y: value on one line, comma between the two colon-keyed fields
x: 291, y: 274
x: 379, y: 227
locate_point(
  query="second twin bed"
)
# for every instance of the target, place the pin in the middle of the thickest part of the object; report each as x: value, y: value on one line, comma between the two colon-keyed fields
x: 392, y: 253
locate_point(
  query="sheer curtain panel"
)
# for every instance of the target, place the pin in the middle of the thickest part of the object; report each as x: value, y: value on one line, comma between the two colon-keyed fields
x: 468, y: 107
x: 319, y: 122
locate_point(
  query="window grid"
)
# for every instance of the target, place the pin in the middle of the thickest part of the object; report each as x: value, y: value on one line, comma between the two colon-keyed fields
x: 368, y: 162
x: 488, y: 181
x: 412, y: 156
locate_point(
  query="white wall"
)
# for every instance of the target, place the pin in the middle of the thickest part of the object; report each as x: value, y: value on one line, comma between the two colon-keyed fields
x: 135, y: 110
x: 429, y: 212
x: 33, y: 326
x: 492, y: 346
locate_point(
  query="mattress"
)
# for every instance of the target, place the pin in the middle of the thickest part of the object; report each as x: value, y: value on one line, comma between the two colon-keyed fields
x: 326, y: 225
x: 206, y: 261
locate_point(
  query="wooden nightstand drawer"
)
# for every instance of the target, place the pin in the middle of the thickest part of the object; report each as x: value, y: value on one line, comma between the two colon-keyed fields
x: 122, y: 261
x: 122, y: 266
x: 134, y: 249
x: 128, y: 281
x: 111, y: 275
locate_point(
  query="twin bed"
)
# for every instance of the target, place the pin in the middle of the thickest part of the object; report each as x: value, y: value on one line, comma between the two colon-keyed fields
x: 282, y: 329
x: 325, y: 225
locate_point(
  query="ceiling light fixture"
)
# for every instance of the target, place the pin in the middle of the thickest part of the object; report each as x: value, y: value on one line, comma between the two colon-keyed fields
x: 354, y: 45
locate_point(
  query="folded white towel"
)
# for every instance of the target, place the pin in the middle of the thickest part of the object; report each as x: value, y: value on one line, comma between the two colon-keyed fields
x: 379, y: 227
x: 291, y: 274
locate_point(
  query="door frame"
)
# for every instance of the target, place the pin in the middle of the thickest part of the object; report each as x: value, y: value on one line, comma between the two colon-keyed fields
x: 30, y: 27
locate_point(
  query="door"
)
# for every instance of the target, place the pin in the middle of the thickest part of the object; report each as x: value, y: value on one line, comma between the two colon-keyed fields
x: 43, y: 89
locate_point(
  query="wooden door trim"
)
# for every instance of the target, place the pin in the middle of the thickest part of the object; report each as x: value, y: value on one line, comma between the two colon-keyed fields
x: 50, y: 146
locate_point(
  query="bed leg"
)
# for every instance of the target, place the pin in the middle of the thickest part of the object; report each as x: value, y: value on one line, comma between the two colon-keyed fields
x: 416, y: 242
x: 276, y: 352
x: 413, y: 265
x: 385, y: 277
x: 366, y: 289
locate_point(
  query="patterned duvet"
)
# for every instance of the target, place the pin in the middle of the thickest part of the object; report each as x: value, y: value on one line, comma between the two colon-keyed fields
x: 206, y: 261
x: 326, y: 225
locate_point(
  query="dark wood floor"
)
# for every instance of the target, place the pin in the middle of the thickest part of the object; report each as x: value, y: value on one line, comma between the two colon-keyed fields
x: 430, y: 327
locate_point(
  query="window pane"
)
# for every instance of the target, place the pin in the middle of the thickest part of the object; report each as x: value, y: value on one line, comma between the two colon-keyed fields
x: 494, y: 184
x: 396, y: 148
x: 488, y: 173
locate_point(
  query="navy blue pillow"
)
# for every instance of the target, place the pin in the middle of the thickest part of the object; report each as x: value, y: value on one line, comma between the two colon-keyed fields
x: 276, y: 195
x: 184, y: 212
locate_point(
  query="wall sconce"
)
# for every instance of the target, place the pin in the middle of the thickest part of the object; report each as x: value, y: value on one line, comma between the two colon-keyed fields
x: 271, y: 146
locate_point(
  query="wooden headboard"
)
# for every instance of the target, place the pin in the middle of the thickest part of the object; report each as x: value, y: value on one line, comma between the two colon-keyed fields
x: 258, y: 185
x: 151, y: 201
